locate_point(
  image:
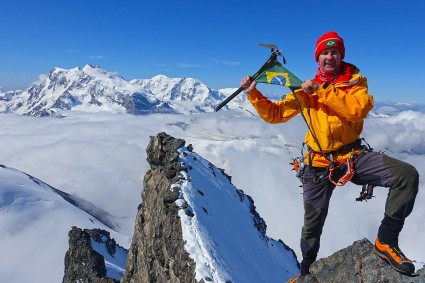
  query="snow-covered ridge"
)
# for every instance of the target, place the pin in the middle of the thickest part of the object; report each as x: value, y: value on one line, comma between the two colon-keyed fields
x: 221, y: 227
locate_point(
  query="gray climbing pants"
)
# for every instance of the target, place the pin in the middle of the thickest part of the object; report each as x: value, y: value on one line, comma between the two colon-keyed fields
x: 370, y: 167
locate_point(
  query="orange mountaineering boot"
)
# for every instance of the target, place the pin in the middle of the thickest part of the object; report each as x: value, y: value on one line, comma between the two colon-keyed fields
x: 395, y: 257
x: 293, y: 280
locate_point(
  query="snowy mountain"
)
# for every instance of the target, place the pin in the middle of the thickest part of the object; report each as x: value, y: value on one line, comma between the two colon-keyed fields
x: 391, y: 108
x: 179, y: 89
x: 35, y: 220
x: 92, y: 88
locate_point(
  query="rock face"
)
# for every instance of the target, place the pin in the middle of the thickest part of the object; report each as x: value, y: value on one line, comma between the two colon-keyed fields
x: 157, y: 251
x: 357, y: 264
x: 82, y: 262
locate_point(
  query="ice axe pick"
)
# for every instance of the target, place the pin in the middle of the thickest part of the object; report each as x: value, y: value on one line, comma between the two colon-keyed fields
x: 275, y: 53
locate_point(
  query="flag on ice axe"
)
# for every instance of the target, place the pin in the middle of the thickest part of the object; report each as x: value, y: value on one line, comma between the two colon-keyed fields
x: 276, y: 74
x: 272, y: 72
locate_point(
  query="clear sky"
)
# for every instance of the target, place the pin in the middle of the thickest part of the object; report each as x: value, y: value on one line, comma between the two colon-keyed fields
x: 213, y: 41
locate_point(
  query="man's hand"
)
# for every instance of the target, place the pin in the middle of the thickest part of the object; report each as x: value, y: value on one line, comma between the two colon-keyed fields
x: 248, y: 85
x: 310, y: 86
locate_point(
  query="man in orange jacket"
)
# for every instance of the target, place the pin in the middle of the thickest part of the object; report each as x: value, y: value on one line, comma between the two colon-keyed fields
x: 334, y: 105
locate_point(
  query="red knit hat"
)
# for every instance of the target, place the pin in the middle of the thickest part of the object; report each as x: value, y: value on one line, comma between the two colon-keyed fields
x: 329, y: 40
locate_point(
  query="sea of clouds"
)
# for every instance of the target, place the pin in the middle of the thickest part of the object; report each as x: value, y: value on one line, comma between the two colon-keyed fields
x: 101, y: 158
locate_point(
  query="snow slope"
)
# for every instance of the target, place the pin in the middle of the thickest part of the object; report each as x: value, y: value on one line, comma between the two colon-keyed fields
x: 227, y: 242
x: 35, y: 221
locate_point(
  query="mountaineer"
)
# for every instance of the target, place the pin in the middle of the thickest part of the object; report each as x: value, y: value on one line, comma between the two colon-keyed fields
x: 334, y: 105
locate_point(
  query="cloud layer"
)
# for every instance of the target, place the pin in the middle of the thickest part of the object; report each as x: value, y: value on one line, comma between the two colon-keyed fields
x: 101, y: 158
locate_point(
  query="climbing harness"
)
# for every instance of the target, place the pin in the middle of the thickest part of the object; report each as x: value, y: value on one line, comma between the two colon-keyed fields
x: 334, y: 169
x: 355, y: 149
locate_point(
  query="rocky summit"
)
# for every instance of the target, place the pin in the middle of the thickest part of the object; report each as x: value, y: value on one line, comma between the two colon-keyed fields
x: 357, y: 264
x: 195, y: 226
x: 92, y: 257
x: 157, y: 251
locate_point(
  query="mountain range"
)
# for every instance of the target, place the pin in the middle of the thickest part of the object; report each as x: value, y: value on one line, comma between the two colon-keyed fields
x: 92, y: 88
x: 95, y: 89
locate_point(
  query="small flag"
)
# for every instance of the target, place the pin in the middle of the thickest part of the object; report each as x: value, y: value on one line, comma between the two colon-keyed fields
x: 278, y: 75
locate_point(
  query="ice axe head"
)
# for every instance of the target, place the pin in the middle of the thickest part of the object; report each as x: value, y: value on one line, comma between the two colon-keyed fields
x: 274, y: 50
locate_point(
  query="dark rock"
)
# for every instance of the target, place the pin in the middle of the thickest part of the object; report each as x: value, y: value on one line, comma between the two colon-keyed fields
x: 82, y: 263
x: 259, y: 222
x: 162, y: 152
x: 157, y: 251
x: 139, y: 104
x: 357, y: 264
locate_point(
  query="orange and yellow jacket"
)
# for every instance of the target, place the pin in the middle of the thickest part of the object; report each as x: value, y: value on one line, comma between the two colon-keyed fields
x: 335, y: 114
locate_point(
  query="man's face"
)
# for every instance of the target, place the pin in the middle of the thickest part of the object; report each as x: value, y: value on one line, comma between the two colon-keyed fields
x: 330, y: 60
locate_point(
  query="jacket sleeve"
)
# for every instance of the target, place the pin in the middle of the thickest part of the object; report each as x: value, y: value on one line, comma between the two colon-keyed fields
x: 274, y: 112
x: 352, y: 102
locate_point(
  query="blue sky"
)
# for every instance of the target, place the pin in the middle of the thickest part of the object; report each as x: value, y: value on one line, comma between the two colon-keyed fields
x: 213, y: 41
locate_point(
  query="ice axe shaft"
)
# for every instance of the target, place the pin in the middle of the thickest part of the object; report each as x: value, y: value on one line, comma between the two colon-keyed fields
x: 273, y: 56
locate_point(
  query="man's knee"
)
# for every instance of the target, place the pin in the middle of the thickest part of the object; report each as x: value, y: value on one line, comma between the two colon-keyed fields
x: 405, y: 175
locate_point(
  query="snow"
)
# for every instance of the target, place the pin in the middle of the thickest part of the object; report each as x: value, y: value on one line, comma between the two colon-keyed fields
x: 100, y: 157
x: 221, y: 236
x: 115, y: 264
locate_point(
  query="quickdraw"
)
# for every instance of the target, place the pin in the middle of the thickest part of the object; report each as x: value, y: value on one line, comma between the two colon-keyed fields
x: 298, y: 165
x: 349, y: 174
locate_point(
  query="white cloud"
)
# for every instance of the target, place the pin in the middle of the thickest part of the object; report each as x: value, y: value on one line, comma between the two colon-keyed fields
x: 41, y: 79
x: 97, y: 57
x: 228, y: 63
x: 187, y: 65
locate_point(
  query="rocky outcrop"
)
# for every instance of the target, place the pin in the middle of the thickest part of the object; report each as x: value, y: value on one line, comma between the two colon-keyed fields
x: 157, y: 251
x: 82, y: 262
x: 357, y: 264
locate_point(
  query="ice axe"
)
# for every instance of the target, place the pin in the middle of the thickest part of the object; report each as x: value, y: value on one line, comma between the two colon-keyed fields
x: 275, y: 52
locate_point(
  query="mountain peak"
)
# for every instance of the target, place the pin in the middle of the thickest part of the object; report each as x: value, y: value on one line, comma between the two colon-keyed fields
x: 93, y: 66
x: 203, y: 224
x: 100, y: 73
x: 160, y: 77
x: 357, y: 263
